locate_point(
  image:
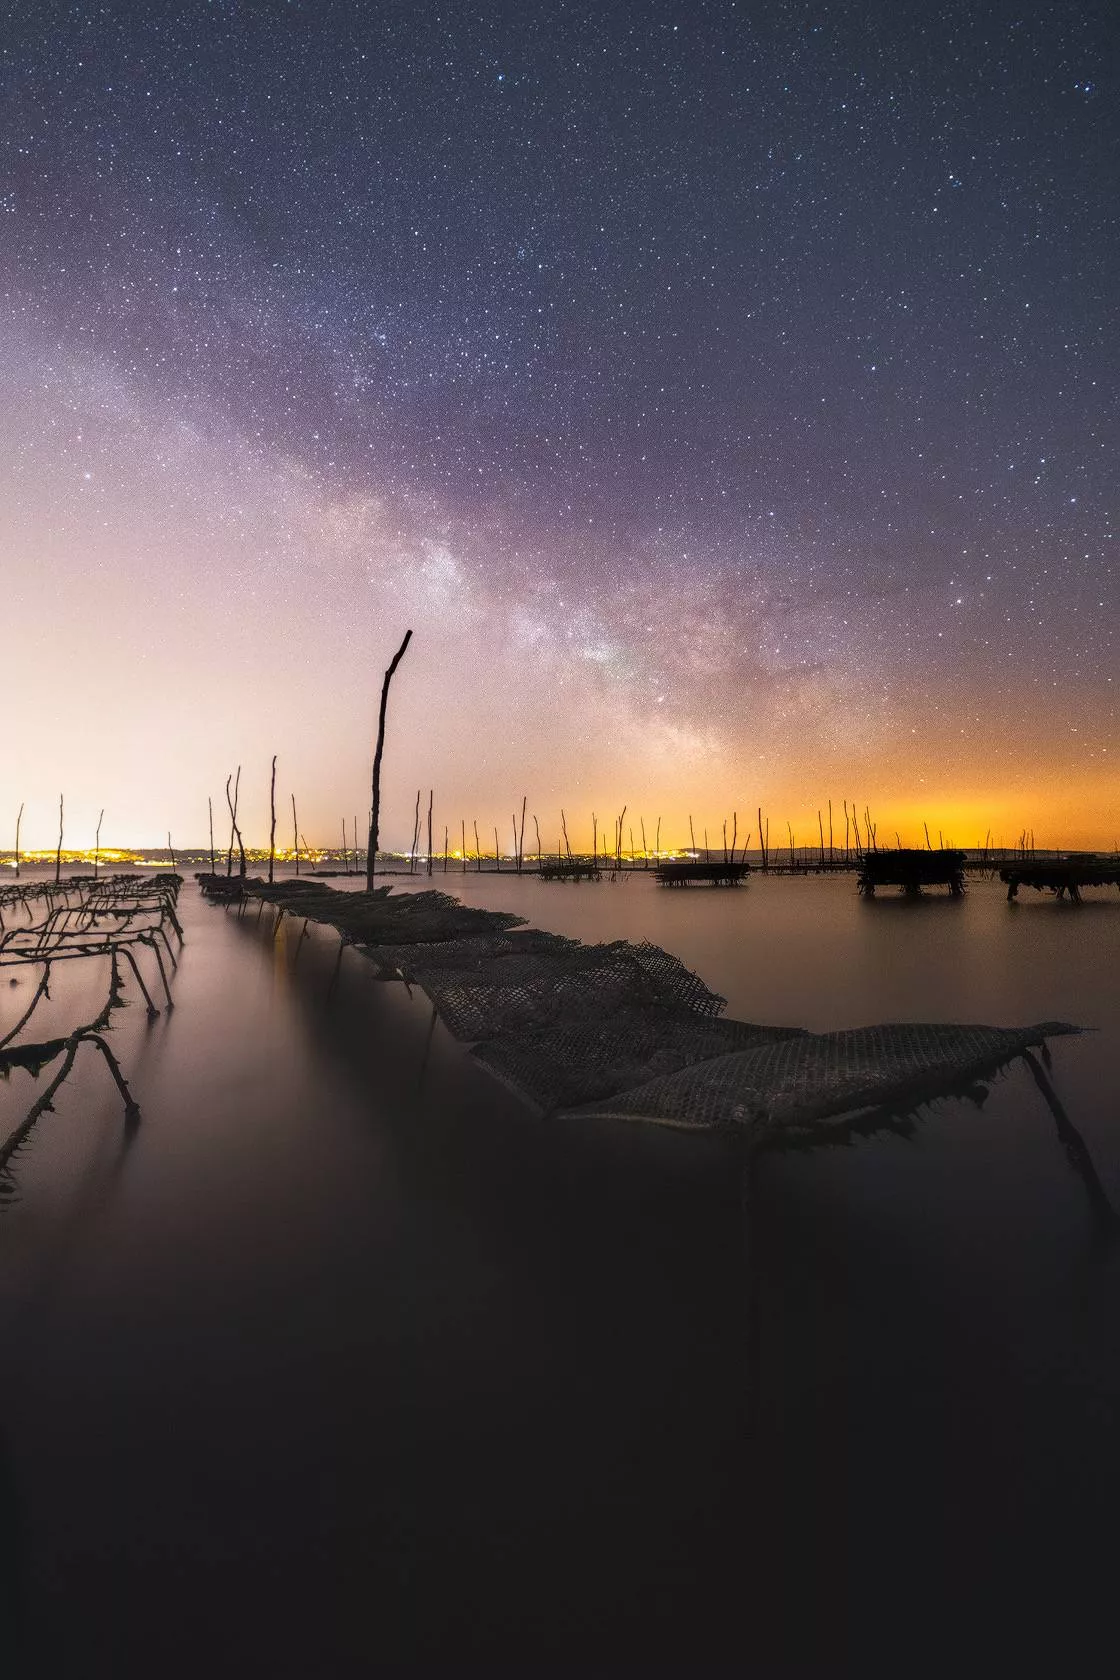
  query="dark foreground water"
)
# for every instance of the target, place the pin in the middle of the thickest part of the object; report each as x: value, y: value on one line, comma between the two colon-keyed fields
x: 344, y: 1364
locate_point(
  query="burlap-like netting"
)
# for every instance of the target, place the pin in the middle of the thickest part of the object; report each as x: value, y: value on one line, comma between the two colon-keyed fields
x: 625, y: 1031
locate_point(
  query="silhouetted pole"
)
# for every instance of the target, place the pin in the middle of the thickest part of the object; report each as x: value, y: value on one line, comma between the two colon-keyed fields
x: 19, y: 819
x: 537, y: 826
x: 210, y: 809
x: 234, y: 831
x: 345, y: 849
x: 272, y: 830
x: 295, y: 833
x: 415, y: 836
x: 97, y: 845
x: 445, y: 848
x: 830, y: 852
x: 691, y: 832
x: 375, y: 815
x: 820, y: 825
x: 58, y: 854
x: 431, y: 798
x: 497, y: 858
x: 171, y: 849
x: 645, y: 848
x: 463, y: 822
x: 477, y: 850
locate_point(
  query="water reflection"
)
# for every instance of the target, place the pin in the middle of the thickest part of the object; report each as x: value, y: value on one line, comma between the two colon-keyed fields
x: 365, y: 1364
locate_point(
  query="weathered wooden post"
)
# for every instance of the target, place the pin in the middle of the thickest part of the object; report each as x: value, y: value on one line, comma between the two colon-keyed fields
x: 431, y: 797
x: 375, y: 813
x: 97, y: 845
x: 295, y: 833
x: 272, y: 830
x: 58, y: 854
x: 19, y: 819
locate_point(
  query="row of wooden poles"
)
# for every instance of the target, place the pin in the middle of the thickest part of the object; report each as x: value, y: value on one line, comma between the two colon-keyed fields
x: 866, y: 841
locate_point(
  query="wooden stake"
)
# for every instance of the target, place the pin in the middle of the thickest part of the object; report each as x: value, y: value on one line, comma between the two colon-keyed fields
x: 497, y: 859
x: 58, y: 854
x: 295, y: 834
x: 19, y: 819
x: 272, y: 830
x: 97, y: 846
x: 431, y: 797
x: 375, y: 817
x: 171, y: 849
x: 477, y: 852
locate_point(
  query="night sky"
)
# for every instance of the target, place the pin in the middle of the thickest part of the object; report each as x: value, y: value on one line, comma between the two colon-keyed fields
x: 724, y: 394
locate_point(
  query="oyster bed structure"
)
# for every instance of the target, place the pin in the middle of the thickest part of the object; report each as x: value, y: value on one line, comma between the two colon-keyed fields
x: 109, y: 921
x: 624, y: 1031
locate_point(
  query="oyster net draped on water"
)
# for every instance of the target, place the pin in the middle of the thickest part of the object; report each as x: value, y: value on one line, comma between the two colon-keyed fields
x: 625, y: 1031
x: 802, y: 1080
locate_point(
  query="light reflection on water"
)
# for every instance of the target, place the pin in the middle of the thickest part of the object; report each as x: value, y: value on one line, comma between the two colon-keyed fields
x: 343, y: 1322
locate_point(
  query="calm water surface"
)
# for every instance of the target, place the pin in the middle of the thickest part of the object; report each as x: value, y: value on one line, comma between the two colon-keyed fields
x: 344, y: 1363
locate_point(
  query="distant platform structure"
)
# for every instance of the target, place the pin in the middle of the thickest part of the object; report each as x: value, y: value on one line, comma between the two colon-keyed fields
x: 570, y: 869
x: 715, y: 872
x: 1063, y: 876
x: 912, y: 870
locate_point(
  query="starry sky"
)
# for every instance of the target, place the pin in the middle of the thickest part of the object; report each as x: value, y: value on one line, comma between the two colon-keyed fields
x: 724, y: 394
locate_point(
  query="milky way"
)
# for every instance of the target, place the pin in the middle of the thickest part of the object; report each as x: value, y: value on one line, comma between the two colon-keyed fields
x: 724, y: 394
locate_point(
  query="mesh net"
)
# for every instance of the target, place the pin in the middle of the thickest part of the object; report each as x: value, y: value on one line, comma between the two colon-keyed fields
x: 627, y: 1031
x: 798, y: 1081
x: 570, y: 1061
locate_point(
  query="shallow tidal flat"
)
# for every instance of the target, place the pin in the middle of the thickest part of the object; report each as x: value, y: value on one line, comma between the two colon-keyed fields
x: 343, y: 1359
